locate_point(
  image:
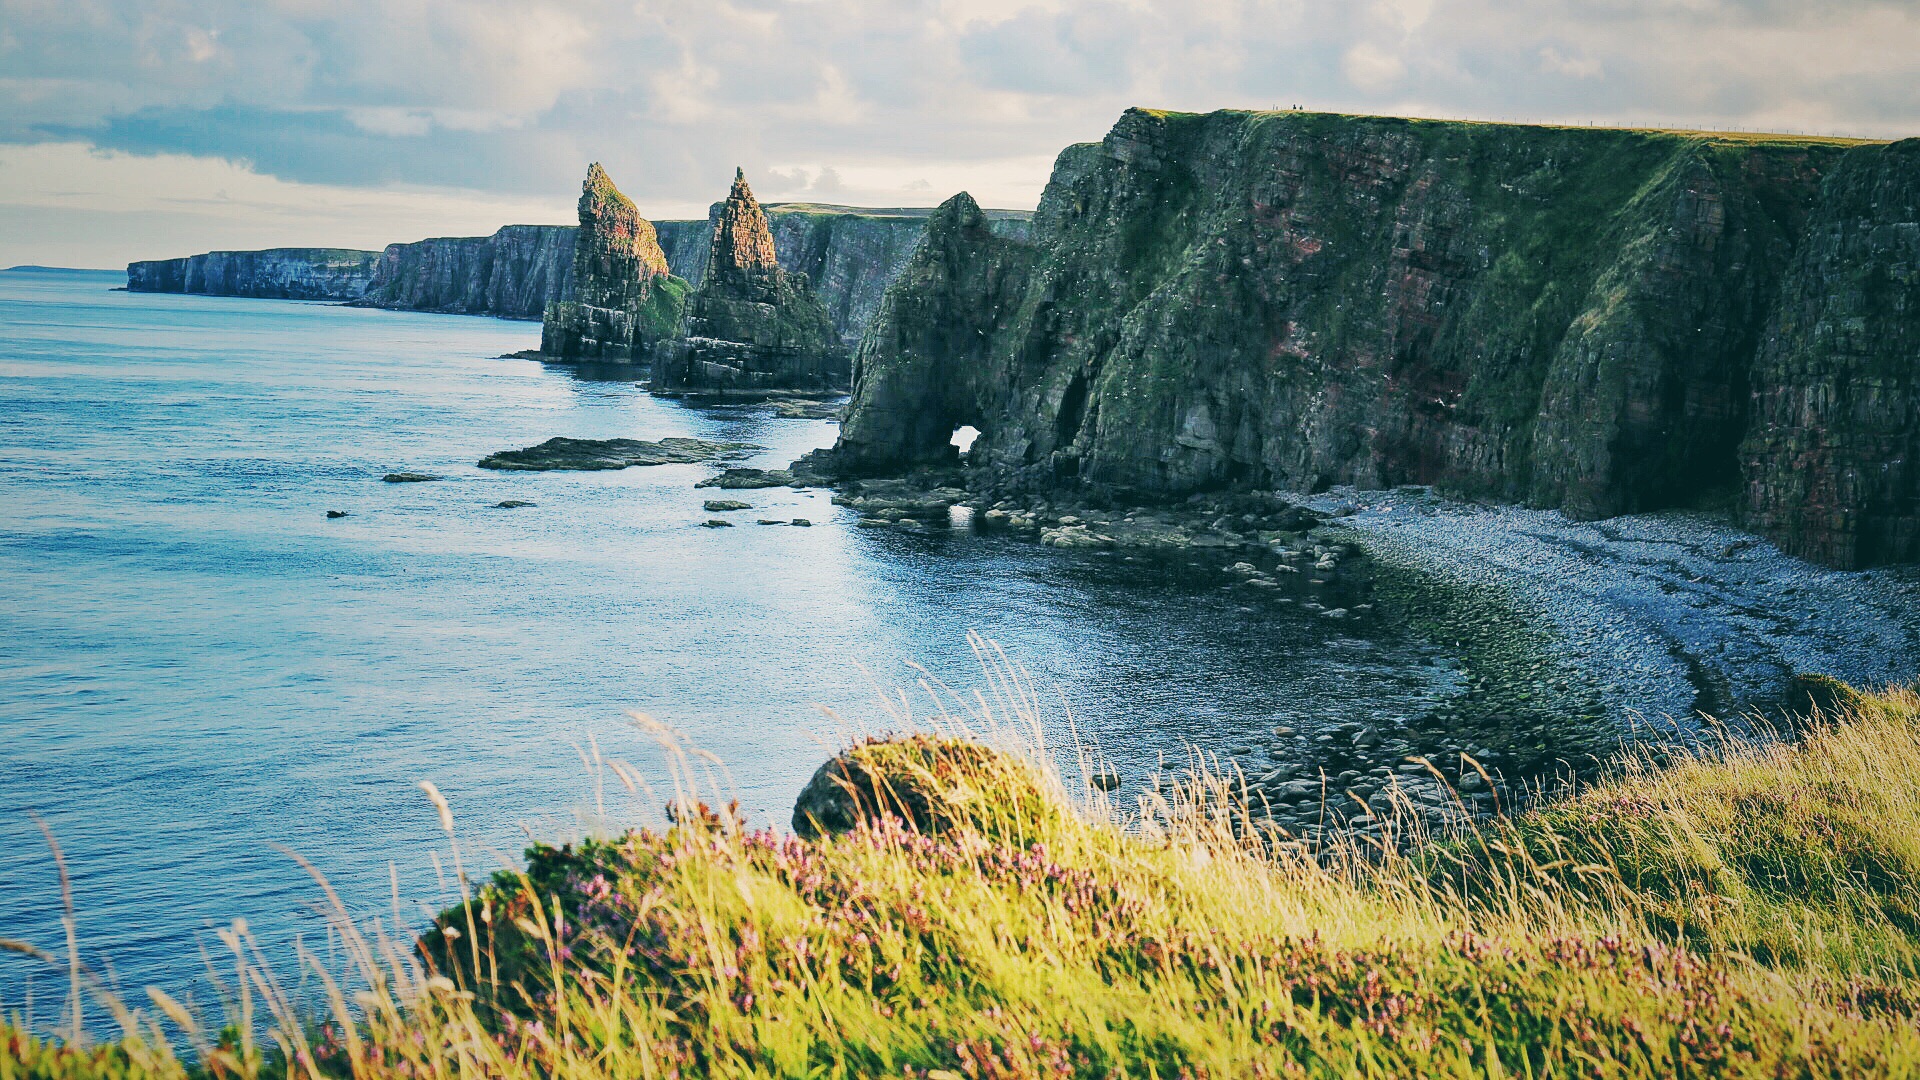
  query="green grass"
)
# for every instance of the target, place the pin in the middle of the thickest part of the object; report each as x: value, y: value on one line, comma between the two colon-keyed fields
x: 1752, y: 912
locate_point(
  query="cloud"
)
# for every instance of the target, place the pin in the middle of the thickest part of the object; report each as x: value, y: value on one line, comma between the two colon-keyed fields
x: 901, y: 99
x: 1553, y: 62
x: 1372, y: 68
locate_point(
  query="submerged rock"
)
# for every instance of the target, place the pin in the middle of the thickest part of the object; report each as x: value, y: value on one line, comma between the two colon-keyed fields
x: 807, y: 409
x: 511, y: 504
x: 716, y: 506
x: 331, y: 514
x: 592, y: 454
x: 410, y: 478
x: 736, y: 479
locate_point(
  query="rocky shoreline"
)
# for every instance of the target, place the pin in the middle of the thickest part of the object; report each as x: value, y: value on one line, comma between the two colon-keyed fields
x: 1541, y: 630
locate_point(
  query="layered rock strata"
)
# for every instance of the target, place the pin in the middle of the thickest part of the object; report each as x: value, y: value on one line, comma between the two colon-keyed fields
x: 625, y: 299
x: 1586, y: 319
x: 274, y: 273
x: 513, y: 274
x: 1831, y: 461
x: 751, y: 325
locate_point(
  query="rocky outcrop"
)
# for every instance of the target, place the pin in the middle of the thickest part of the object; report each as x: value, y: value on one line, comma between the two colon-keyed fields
x: 513, y: 274
x: 624, y: 297
x: 274, y: 274
x: 751, y: 325
x: 1556, y: 316
x: 850, y: 254
x: 928, y: 363
x: 1832, y: 455
x: 561, y: 454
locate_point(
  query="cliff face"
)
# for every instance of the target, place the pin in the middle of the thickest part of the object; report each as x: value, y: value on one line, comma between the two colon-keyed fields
x: 624, y: 298
x: 514, y: 274
x: 751, y: 325
x: 275, y: 273
x: 1832, y: 456
x: 1562, y: 317
x: 850, y: 254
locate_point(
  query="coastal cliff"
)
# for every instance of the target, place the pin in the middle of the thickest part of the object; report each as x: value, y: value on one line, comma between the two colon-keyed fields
x: 513, y: 274
x: 1832, y: 456
x: 275, y: 273
x: 849, y: 253
x: 1584, y: 319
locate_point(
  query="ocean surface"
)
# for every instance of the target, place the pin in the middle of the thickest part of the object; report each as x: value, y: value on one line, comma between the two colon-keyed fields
x: 198, y: 668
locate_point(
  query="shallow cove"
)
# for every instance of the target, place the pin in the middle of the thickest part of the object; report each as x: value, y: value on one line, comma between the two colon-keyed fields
x: 197, y: 663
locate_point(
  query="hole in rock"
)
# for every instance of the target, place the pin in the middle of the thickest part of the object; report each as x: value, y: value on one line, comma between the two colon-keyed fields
x: 963, y: 437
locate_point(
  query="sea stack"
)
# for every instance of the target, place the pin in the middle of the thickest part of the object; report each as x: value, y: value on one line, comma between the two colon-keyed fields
x: 751, y: 326
x: 625, y: 298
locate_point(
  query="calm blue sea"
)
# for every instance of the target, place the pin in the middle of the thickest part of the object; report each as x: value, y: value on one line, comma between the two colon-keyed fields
x: 196, y: 665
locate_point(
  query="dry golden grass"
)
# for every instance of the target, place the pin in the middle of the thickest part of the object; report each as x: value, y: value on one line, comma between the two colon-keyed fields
x: 1752, y: 912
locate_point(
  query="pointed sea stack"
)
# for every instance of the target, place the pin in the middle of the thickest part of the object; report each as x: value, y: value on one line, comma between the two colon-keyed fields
x: 625, y: 299
x: 750, y: 325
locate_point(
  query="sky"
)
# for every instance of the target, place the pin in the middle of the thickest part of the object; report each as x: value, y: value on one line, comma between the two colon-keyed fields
x: 134, y: 129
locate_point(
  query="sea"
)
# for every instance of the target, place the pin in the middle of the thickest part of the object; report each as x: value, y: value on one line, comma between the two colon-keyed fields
x: 206, y: 681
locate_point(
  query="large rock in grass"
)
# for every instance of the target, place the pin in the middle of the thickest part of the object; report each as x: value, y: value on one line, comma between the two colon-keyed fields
x: 932, y: 784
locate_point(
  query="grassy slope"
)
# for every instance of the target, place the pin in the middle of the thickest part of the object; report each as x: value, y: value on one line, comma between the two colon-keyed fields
x: 1756, y: 914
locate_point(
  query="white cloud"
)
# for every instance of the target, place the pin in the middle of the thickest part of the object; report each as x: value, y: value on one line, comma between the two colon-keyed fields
x: 1553, y: 62
x: 905, y: 100
x: 1371, y: 68
x: 204, y: 204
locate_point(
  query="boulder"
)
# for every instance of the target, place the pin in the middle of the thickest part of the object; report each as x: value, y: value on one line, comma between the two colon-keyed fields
x: 930, y: 783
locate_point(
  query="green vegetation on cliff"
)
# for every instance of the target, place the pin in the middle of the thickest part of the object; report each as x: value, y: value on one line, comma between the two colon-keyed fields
x: 1752, y: 913
x: 1565, y: 317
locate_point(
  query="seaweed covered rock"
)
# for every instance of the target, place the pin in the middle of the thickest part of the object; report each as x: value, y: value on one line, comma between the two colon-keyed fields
x: 750, y: 326
x: 587, y: 455
x: 932, y: 784
x: 625, y: 298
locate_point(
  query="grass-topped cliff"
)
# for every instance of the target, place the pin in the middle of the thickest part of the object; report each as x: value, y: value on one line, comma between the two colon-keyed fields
x: 1750, y: 913
x: 1599, y: 320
